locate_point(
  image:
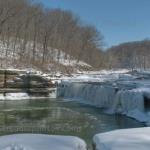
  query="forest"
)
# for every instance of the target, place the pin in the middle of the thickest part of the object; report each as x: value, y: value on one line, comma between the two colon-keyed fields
x: 130, y: 55
x: 32, y: 34
x: 38, y: 37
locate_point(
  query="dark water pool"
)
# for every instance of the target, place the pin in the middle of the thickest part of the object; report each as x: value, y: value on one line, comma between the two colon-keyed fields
x: 53, y: 116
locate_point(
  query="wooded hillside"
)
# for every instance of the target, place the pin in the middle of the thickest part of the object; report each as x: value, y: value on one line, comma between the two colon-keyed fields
x: 130, y: 55
x: 32, y: 34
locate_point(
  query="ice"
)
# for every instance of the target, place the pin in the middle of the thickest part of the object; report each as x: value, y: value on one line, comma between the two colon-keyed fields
x: 116, y: 92
x: 144, y: 90
x: 41, y: 142
x: 88, y: 93
x: 126, y: 139
x: 128, y: 100
x: 14, y: 96
x: 104, y: 96
x: 138, y: 115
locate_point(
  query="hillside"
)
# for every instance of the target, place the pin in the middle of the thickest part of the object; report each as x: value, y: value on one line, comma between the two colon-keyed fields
x: 46, y: 39
x: 131, y: 55
x: 10, y: 59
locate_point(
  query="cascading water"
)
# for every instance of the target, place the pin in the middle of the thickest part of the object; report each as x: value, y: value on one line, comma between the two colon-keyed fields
x: 98, y: 95
x: 124, y: 101
x: 127, y: 100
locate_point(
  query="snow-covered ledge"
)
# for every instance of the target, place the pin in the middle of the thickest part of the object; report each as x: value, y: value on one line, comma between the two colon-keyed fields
x: 125, y: 139
x: 14, y: 96
x: 41, y: 142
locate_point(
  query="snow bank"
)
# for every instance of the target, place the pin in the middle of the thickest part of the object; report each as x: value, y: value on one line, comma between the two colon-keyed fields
x: 25, y: 96
x: 126, y: 139
x: 103, y: 77
x: 14, y: 96
x: 41, y: 142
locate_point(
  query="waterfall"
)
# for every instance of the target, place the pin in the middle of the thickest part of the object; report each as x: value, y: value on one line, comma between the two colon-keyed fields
x: 127, y: 100
x: 130, y: 102
x: 99, y: 95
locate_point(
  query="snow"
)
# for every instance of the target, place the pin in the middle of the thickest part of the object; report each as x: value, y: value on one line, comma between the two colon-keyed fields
x: 129, y: 100
x: 66, y: 59
x: 25, y: 96
x: 125, y: 139
x: 14, y: 96
x: 101, y: 95
x: 100, y: 76
x: 120, y: 92
x: 92, y: 94
x: 41, y: 142
x: 56, y: 56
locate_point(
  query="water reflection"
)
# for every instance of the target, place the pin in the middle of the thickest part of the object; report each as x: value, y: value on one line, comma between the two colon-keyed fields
x: 58, y: 117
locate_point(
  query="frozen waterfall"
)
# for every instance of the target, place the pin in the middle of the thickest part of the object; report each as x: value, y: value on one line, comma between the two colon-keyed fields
x: 98, y: 95
x: 128, y: 101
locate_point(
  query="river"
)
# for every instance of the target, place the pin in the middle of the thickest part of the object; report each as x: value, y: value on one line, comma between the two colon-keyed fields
x: 56, y: 116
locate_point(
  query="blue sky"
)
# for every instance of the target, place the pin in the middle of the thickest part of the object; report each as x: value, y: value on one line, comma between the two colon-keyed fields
x: 118, y: 20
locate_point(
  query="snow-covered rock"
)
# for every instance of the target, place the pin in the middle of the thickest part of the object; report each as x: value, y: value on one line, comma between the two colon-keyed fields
x: 126, y: 139
x: 41, y: 142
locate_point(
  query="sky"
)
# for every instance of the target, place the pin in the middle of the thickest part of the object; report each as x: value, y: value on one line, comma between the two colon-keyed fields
x: 118, y: 20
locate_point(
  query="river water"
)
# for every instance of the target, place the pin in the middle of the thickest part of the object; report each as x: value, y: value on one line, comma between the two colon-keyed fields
x: 55, y: 116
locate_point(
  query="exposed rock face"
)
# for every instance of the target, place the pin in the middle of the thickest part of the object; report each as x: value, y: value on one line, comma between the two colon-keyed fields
x: 33, y: 84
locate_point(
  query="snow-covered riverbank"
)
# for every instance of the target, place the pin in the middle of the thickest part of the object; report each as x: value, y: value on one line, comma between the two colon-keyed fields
x: 125, y: 139
x: 25, y: 96
x: 23, y: 84
x: 41, y: 142
x: 121, y: 92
